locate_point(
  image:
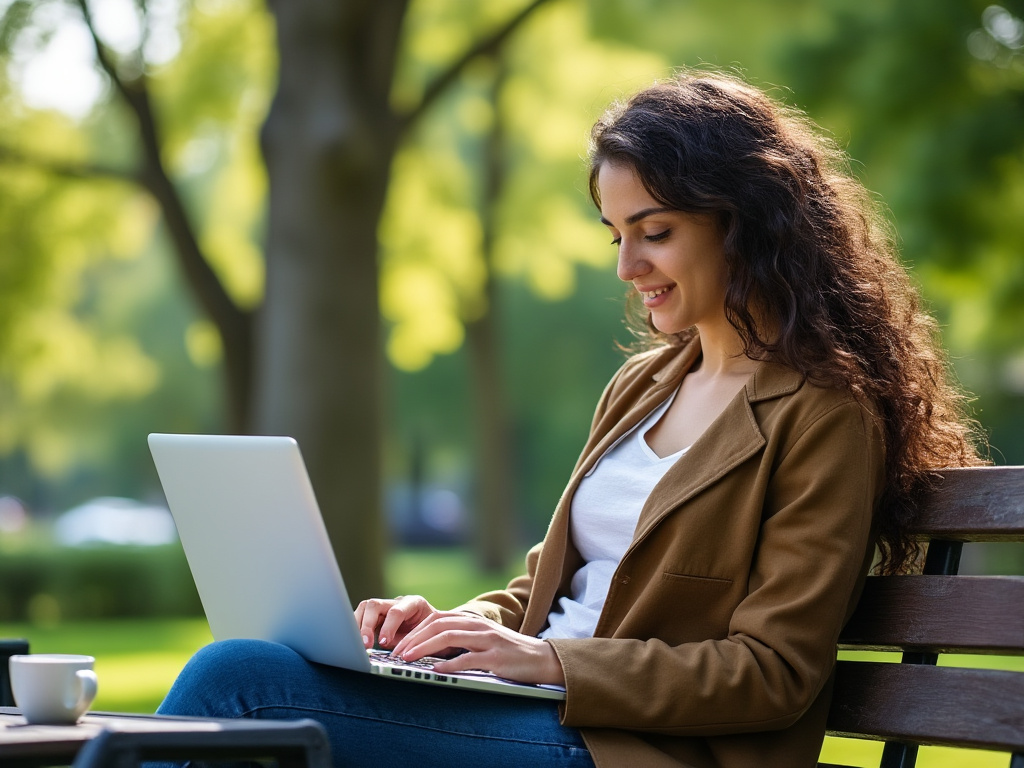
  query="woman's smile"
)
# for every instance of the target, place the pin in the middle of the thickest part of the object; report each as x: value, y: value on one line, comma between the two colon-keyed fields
x: 654, y: 297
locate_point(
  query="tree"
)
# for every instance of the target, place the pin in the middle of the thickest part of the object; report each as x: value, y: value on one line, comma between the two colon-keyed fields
x: 308, y: 362
x: 490, y: 196
x: 329, y: 141
x: 495, y: 521
x: 157, y: 132
x: 51, y: 357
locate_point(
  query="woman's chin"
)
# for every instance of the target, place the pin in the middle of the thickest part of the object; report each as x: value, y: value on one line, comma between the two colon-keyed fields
x: 667, y: 326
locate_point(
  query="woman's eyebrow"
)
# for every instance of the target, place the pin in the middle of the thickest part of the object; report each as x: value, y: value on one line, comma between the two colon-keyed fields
x: 639, y: 215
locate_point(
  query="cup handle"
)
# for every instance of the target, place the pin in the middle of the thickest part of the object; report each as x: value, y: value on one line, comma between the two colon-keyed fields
x: 86, y: 693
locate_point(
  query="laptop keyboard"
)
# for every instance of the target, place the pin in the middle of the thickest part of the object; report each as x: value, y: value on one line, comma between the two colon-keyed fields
x: 385, y: 657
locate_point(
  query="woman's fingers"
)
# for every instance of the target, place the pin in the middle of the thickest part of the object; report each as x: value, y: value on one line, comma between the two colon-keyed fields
x: 404, y: 614
x: 486, y: 645
x: 369, y: 616
x: 387, y: 620
x: 430, y: 626
x: 447, y: 633
x: 445, y: 643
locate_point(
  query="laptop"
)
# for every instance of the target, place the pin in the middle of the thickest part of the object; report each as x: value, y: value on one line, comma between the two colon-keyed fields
x: 262, y: 562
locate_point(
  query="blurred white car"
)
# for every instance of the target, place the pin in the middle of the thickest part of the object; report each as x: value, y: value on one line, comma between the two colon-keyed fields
x: 114, y: 520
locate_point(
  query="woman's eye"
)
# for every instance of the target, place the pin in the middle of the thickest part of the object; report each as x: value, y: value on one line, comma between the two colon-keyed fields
x: 658, y: 237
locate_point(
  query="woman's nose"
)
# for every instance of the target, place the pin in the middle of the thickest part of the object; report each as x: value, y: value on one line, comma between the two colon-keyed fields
x: 630, y: 265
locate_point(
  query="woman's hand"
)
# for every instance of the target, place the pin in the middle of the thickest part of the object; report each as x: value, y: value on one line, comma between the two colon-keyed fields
x: 388, y: 621
x: 481, y: 644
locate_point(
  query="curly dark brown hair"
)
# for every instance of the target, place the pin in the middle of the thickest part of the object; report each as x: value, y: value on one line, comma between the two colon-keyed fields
x: 815, y: 281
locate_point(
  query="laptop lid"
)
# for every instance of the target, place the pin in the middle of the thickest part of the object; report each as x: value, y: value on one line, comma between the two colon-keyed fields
x: 256, y: 544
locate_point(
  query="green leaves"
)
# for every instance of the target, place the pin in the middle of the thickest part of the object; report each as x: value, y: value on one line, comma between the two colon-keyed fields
x: 82, y: 240
x: 433, y: 263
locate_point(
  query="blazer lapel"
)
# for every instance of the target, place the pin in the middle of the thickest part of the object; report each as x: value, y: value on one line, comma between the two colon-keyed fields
x: 663, y: 382
x: 730, y: 440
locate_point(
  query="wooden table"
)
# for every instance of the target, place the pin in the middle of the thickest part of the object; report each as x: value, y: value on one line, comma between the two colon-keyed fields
x: 113, y: 740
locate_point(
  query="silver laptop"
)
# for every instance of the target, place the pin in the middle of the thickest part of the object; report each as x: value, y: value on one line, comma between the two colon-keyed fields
x: 261, y: 559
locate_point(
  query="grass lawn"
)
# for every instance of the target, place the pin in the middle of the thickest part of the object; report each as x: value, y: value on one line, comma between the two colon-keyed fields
x: 137, y: 660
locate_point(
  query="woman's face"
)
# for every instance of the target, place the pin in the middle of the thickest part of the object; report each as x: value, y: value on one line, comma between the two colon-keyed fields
x: 676, y: 260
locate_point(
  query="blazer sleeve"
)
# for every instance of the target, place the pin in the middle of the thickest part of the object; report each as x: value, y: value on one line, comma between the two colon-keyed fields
x: 813, y: 551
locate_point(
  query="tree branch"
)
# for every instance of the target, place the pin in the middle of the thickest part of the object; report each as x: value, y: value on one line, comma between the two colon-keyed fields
x: 230, y: 321
x: 103, y: 54
x: 234, y: 324
x: 488, y: 45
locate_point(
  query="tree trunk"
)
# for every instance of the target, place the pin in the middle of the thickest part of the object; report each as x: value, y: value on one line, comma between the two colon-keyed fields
x: 494, y: 533
x: 328, y: 143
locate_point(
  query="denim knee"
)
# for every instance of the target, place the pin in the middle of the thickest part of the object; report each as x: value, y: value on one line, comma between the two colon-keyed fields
x: 241, y: 652
x: 217, y: 680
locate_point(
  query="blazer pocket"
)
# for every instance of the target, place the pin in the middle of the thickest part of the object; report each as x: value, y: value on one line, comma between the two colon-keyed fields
x: 702, y: 606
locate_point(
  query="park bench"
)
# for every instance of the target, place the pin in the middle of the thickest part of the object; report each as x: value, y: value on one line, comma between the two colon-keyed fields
x: 915, y: 702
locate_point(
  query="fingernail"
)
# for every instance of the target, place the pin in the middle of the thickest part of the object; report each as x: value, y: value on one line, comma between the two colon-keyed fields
x: 383, y: 640
x: 366, y: 640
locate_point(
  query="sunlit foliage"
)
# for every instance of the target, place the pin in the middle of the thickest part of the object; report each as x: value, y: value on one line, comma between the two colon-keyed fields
x: 433, y: 267
x: 74, y: 339
x: 53, y: 353
x: 927, y: 96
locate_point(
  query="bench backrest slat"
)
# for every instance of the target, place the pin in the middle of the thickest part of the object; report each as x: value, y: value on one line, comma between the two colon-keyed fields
x: 975, y: 504
x: 939, y: 614
x: 982, y: 708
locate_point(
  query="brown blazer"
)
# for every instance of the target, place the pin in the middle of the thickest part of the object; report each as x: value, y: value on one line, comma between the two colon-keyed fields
x: 717, y: 640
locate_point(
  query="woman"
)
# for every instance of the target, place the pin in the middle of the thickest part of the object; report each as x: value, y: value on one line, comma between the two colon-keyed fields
x: 789, y: 407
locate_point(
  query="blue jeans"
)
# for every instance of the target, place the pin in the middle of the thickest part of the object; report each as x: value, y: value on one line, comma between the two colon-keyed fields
x: 371, y: 720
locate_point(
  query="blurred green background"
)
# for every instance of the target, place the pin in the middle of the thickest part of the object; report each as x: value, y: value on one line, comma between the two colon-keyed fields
x: 130, y: 152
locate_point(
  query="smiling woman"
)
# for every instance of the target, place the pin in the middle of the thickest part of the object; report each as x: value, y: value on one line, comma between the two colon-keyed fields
x: 717, y: 529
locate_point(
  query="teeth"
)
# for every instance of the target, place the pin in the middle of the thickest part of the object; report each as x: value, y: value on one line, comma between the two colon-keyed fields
x: 652, y: 294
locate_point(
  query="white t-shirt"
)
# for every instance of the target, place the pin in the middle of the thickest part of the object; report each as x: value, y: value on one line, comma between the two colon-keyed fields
x: 602, y: 519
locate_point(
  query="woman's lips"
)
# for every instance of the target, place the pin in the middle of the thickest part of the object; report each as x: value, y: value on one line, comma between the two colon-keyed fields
x: 655, y: 297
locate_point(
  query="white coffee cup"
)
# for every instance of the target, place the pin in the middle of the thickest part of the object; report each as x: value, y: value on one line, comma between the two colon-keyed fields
x: 53, y: 688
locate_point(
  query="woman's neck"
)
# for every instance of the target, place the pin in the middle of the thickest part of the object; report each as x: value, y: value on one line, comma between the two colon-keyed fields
x: 723, y: 351
x: 722, y: 354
